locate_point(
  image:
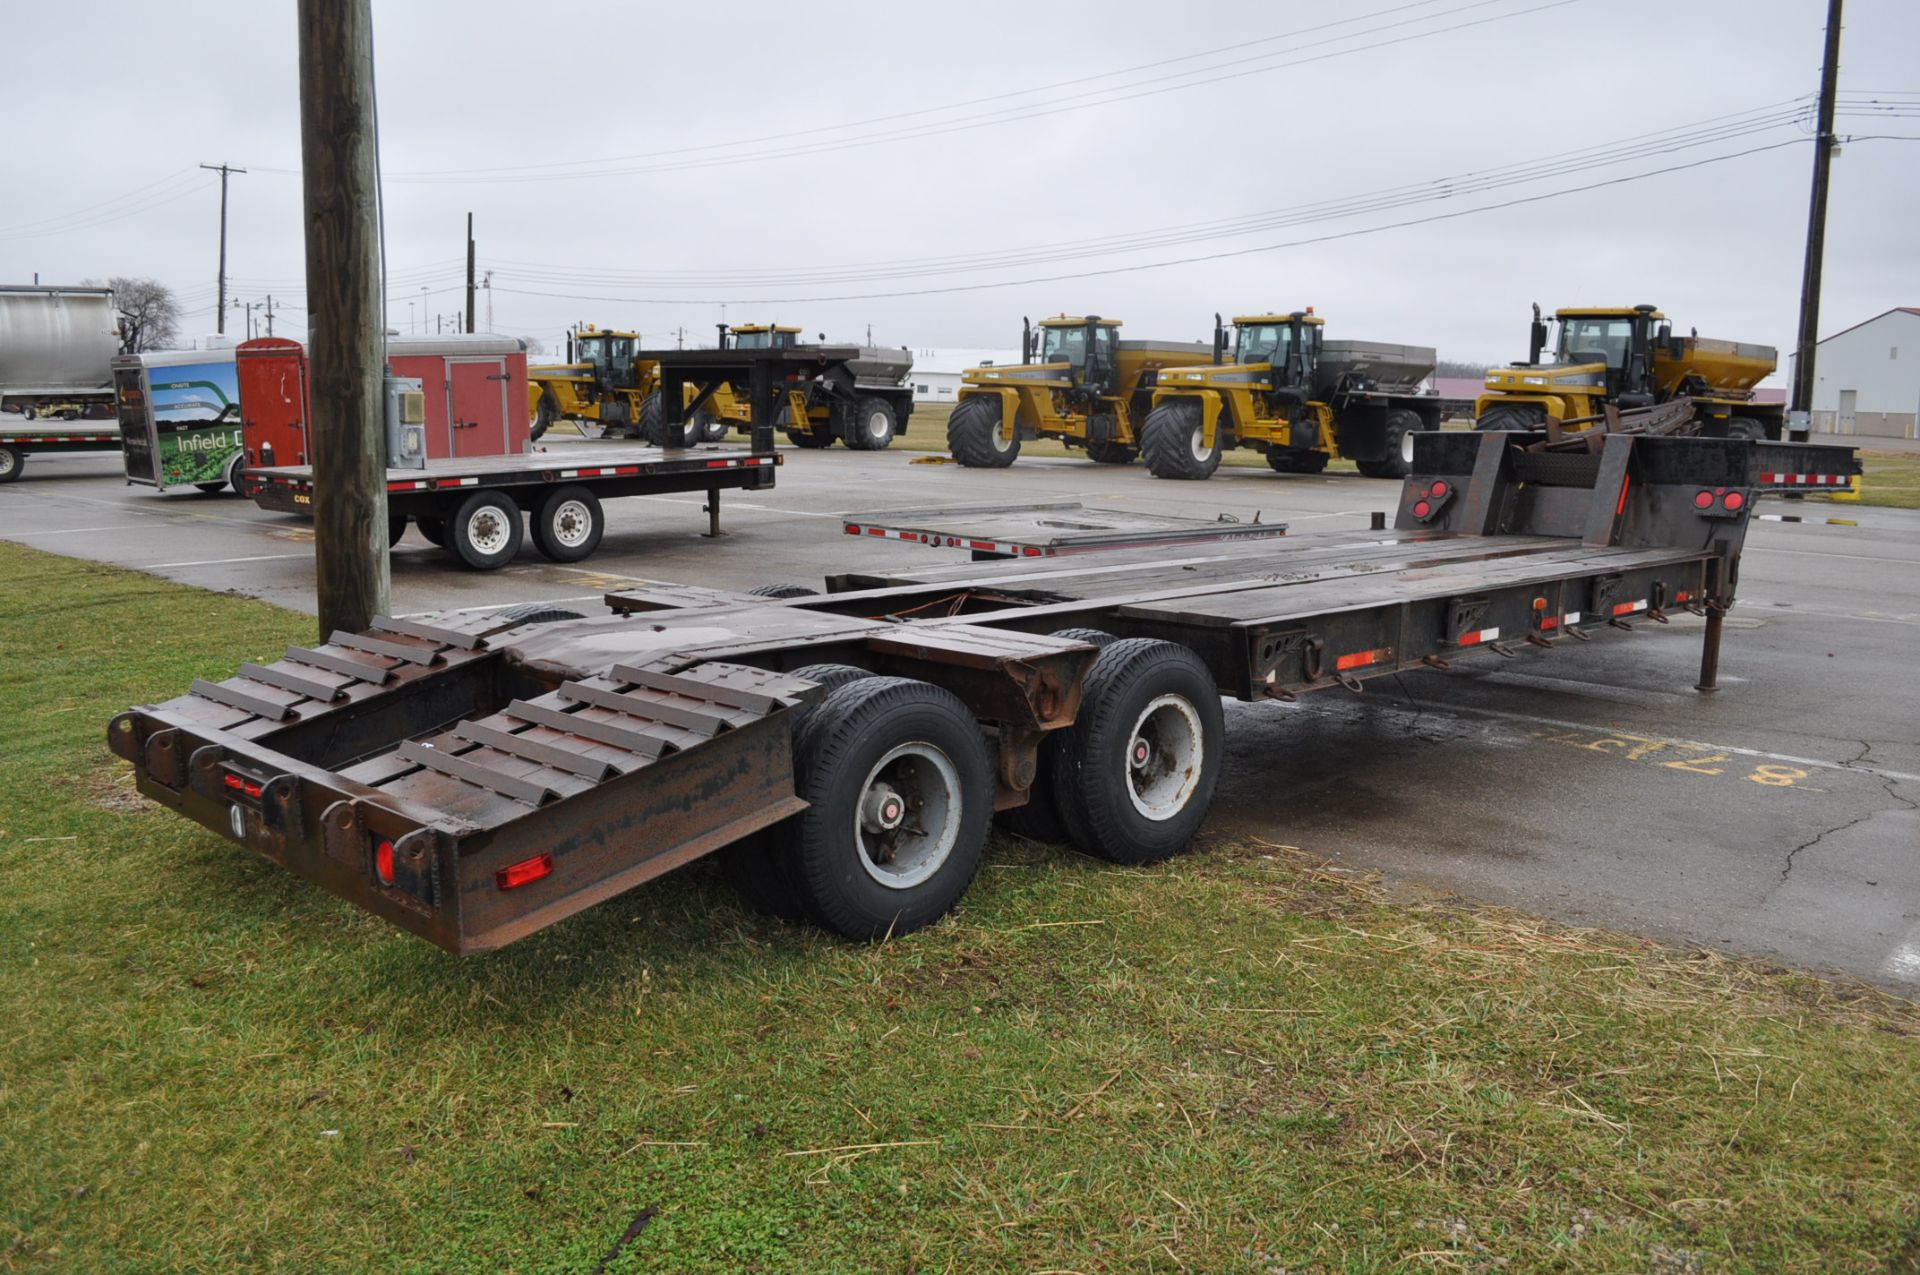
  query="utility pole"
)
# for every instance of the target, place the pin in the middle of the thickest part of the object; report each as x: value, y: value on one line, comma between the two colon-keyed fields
x: 269, y: 314
x: 470, y: 273
x: 220, y: 311
x: 345, y: 351
x: 1800, y: 413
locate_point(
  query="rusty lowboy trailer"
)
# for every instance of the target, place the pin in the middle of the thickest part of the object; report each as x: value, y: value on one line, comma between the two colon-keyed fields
x: 475, y: 778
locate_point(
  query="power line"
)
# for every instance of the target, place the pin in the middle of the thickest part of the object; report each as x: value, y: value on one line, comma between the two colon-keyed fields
x: 1191, y: 260
x: 1600, y: 155
x: 1215, y: 74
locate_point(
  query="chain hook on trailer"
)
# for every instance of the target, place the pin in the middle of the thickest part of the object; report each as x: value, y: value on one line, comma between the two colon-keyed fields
x: 1574, y: 633
x: 1535, y: 639
x: 1349, y: 681
x: 1501, y: 648
x: 1622, y: 625
x: 1434, y: 661
x: 1658, y: 616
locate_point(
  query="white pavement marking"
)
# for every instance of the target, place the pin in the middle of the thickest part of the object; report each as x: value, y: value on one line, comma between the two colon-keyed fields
x: 71, y: 531
x: 220, y: 562
x: 1850, y: 557
x: 1898, y: 775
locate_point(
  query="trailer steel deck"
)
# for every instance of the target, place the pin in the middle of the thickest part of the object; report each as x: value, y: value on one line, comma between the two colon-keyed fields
x: 1048, y: 530
x: 473, y: 778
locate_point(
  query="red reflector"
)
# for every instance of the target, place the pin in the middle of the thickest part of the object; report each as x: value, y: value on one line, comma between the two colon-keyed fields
x: 1032, y: 551
x: 233, y: 782
x: 1733, y: 500
x: 252, y: 790
x: 525, y: 872
x: 1438, y: 490
x: 383, y: 862
x: 1702, y: 500
x: 1621, y: 508
x: 1421, y: 509
x: 1359, y: 659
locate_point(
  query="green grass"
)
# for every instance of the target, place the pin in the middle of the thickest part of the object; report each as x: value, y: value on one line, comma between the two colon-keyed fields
x: 1239, y: 1061
x: 1891, y: 480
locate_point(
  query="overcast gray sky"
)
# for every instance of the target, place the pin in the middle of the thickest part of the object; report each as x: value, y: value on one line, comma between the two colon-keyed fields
x: 838, y: 165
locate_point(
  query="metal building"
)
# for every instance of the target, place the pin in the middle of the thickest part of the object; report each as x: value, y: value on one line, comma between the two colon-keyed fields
x: 1867, y: 377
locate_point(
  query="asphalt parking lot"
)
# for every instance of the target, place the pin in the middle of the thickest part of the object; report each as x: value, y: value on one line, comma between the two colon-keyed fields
x: 1591, y: 784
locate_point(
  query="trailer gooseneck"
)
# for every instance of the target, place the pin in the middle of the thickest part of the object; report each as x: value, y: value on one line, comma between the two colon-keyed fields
x: 474, y: 779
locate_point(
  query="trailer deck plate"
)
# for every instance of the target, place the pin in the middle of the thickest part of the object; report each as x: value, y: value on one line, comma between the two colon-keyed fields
x: 1048, y: 530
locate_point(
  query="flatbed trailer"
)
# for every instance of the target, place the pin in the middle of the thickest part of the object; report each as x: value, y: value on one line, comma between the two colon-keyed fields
x: 475, y: 778
x: 473, y: 506
x: 17, y: 443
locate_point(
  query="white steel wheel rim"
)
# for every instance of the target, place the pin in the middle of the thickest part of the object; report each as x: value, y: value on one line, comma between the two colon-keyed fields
x: 1200, y: 451
x: 7, y: 460
x: 572, y: 523
x: 877, y: 426
x: 907, y: 817
x: 1165, y: 753
x: 487, y: 530
x: 1001, y: 443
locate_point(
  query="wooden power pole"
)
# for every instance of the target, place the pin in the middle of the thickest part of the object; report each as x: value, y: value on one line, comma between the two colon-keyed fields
x: 345, y: 335
x: 1806, y: 350
x: 220, y: 304
x: 469, y: 272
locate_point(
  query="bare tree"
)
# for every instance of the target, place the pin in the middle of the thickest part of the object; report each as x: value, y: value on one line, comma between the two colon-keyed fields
x: 535, y: 346
x: 149, y: 316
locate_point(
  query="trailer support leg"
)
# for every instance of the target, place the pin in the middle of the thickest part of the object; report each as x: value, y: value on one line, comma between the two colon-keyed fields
x: 713, y: 513
x: 1710, y: 650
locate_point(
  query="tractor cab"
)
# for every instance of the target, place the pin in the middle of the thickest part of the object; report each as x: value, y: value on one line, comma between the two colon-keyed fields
x: 758, y: 336
x: 1619, y: 340
x: 1289, y: 344
x: 1088, y: 346
x: 609, y: 356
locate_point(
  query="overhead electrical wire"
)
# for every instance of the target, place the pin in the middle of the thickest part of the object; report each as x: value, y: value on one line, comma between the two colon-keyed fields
x: 1215, y: 74
x: 1189, y: 260
x: 1664, y: 141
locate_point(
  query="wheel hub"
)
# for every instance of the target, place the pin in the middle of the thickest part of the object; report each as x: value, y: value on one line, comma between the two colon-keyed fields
x: 883, y: 810
x: 1165, y: 756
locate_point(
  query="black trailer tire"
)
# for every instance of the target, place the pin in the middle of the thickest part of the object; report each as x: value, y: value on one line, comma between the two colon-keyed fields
x: 396, y: 529
x: 899, y: 790
x: 12, y: 462
x: 26, y: 411
x: 873, y: 425
x: 1289, y: 460
x: 759, y: 866
x: 1512, y: 417
x: 809, y: 440
x: 974, y: 436
x: 1092, y: 637
x: 1039, y: 820
x: 784, y: 591
x: 1748, y: 428
x: 568, y: 525
x: 1396, y: 462
x: 1170, y: 442
x: 1111, y: 453
x: 543, y: 417
x: 1135, y: 773
x: 653, y: 430
x: 485, y: 531
x: 433, y: 527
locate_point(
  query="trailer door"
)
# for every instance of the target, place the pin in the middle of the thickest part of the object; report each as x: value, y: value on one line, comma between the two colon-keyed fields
x: 136, y: 432
x: 478, y: 407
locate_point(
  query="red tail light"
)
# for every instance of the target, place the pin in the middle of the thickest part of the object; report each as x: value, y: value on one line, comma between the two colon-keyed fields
x: 525, y: 872
x: 234, y: 782
x: 383, y: 862
x: 1439, y: 489
x: 1421, y: 509
x: 1703, y: 500
x: 1733, y: 501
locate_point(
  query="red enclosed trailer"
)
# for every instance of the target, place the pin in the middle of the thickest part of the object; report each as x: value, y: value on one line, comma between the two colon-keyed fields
x: 475, y: 386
